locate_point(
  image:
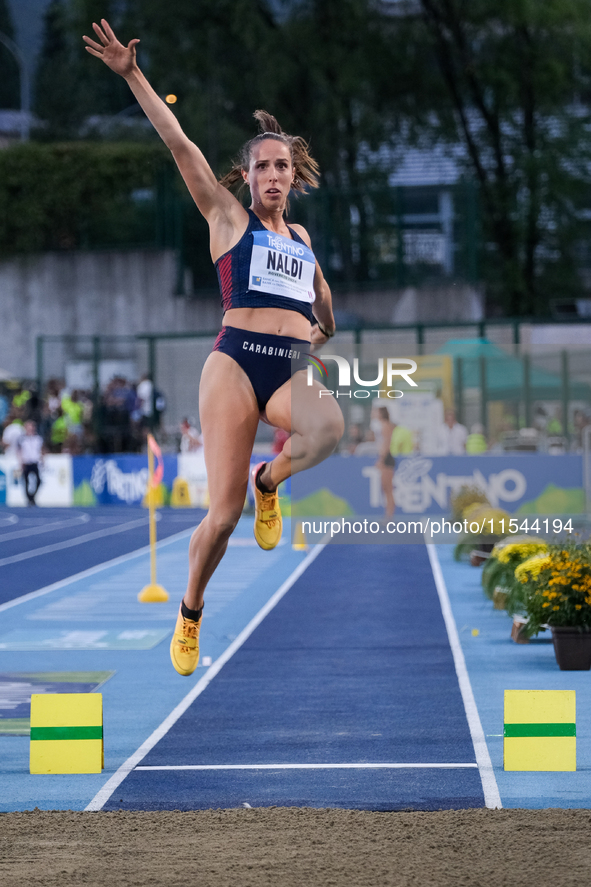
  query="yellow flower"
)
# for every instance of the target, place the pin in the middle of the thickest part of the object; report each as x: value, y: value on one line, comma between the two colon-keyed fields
x: 487, y: 518
x: 578, y: 606
x: 473, y: 509
x: 556, y: 608
x: 532, y: 567
x: 520, y: 550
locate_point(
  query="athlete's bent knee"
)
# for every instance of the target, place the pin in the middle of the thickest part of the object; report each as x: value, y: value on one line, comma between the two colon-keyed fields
x: 324, y: 439
x: 223, y: 524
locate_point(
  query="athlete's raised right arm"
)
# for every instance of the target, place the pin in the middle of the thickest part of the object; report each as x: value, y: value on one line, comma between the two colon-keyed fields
x: 208, y: 194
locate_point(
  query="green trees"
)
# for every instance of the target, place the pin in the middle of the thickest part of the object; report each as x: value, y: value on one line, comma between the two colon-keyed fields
x: 77, y: 195
x: 69, y: 90
x: 506, y: 81
x: 323, y: 67
x: 516, y: 76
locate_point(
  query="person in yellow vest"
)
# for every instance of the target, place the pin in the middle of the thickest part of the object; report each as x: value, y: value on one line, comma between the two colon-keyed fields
x: 402, y: 442
x: 59, y: 432
x: 73, y: 411
x: 21, y: 399
x: 476, y: 441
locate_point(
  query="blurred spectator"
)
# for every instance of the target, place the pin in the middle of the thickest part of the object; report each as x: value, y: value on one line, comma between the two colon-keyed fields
x: 59, y: 432
x: 369, y: 445
x: 160, y: 404
x: 385, y: 462
x: 12, y: 433
x: 451, y: 436
x: 73, y: 411
x: 53, y: 397
x: 136, y: 414
x: 69, y: 420
x: 476, y: 441
x: 30, y: 455
x: 191, y: 440
x: 355, y: 438
x: 145, y: 392
x: 581, y: 420
x: 45, y: 423
x: 21, y: 398
x: 117, y: 404
x: 554, y: 426
x: 402, y: 442
x: 4, y: 408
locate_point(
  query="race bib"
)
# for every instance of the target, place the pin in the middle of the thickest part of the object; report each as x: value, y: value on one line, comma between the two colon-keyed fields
x: 282, y: 267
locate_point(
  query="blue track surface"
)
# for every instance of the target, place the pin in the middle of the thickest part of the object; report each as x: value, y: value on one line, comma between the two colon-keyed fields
x: 496, y: 664
x: 352, y: 666
x: 41, y: 546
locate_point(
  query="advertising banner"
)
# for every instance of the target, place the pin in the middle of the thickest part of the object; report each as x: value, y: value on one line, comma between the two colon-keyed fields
x: 191, y: 468
x: 519, y: 483
x: 56, y: 481
x: 118, y: 479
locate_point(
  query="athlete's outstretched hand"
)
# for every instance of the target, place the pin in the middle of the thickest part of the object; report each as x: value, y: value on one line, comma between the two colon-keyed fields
x: 119, y: 58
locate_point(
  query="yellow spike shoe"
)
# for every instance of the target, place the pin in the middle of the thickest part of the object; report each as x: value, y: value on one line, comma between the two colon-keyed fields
x: 267, y: 519
x: 184, y: 646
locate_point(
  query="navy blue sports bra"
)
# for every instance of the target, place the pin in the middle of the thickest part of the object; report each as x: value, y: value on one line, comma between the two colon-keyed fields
x: 267, y: 270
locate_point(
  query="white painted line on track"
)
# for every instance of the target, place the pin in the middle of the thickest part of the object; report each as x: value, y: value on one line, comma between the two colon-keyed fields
x: 492, y: 798
x: 71, y: 543
x: 8, y: 519
x: 310, y: 767
x: 45, y: 528
x: 92, y: 571
x: 102, y: 796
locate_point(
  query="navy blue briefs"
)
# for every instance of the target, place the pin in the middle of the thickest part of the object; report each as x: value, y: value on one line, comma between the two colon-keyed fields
x: 268, y: 361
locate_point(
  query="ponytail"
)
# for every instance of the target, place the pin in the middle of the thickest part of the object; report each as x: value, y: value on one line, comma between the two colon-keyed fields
x: 306, y: 173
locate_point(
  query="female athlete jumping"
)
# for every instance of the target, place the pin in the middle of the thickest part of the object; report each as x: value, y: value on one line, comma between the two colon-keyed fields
x: 271, y: 287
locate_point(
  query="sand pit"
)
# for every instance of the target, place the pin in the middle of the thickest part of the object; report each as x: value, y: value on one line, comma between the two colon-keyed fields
x: 289, y: 847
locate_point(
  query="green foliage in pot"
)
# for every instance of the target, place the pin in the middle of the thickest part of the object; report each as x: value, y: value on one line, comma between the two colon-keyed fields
x: 463, y: 498
x: 499, y: 570
x: 557, y: 587
x: 490, y: 523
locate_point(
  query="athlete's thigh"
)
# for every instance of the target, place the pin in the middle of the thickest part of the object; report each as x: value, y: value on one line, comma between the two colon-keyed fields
x: 229, y: 417
x: 302, y: 408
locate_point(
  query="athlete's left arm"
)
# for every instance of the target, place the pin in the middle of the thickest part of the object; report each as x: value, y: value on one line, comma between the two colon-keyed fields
x: 322, y: 308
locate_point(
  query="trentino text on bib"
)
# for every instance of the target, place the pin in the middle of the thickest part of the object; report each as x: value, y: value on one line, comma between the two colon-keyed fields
x: 282, y: 267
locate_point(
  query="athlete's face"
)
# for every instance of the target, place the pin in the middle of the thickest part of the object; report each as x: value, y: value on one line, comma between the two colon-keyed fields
x: 270, y: 175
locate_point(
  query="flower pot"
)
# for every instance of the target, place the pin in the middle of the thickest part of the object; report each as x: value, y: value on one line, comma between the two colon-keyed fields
x: 572, y: 647
x: 518, y: 630
x: 477, y: 557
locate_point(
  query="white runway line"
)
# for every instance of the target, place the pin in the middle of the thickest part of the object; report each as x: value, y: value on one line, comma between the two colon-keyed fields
x: 311, y: 767
x: 102, y: 796
x: 45, y: 528
x: 492, y: 798
x: 71, y: 543
x: 92, y: 571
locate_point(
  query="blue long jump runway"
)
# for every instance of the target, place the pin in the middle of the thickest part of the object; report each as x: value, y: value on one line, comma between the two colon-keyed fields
x: 345, y: 695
